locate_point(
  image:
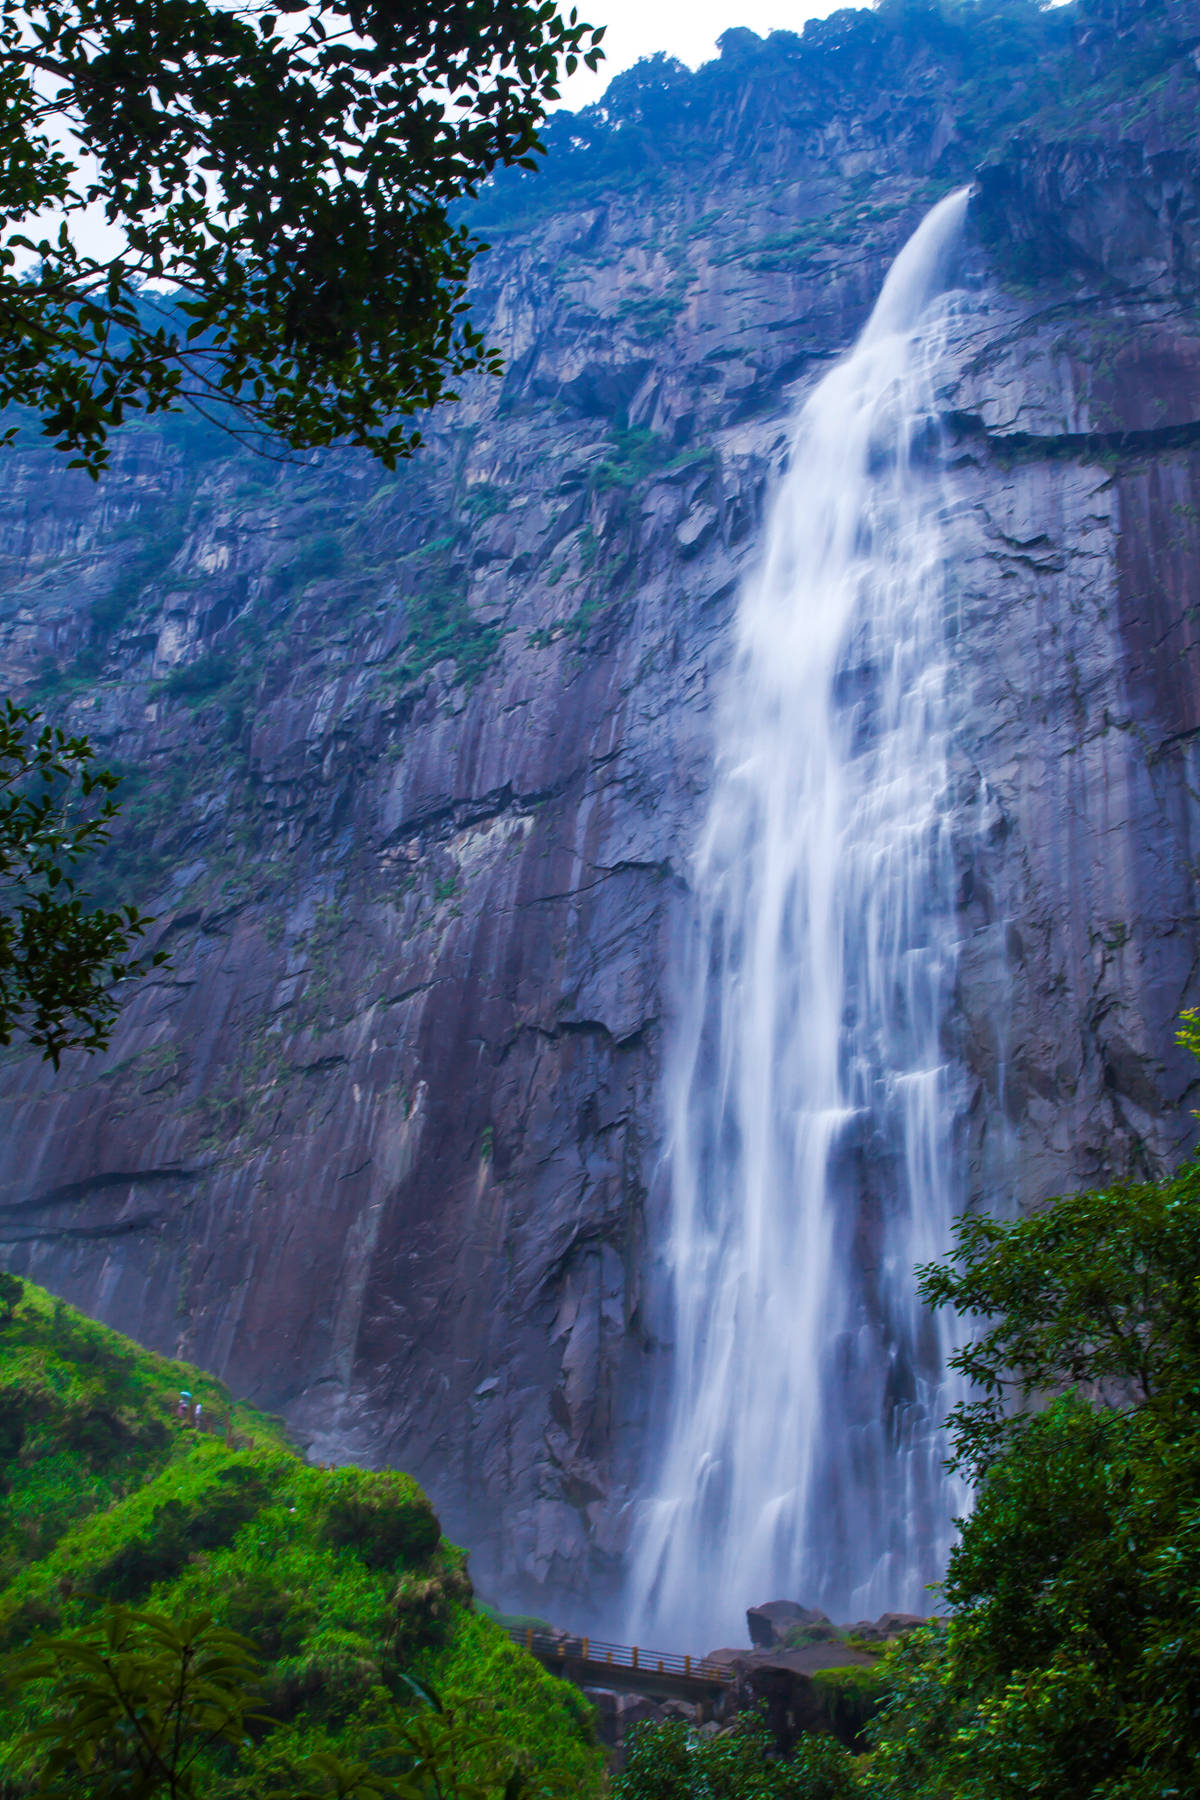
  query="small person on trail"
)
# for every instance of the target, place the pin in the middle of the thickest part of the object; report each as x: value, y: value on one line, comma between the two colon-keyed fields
x: 183, y: 1407
x: 196, y: 1415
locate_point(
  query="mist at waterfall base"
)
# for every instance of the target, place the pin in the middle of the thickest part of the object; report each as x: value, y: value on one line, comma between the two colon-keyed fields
x: 811, y: 1106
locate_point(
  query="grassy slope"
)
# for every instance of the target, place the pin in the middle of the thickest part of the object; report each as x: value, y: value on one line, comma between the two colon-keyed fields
x: 340, y: 1578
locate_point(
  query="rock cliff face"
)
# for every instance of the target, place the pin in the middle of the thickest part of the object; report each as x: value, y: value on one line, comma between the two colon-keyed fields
x: 415, y: 762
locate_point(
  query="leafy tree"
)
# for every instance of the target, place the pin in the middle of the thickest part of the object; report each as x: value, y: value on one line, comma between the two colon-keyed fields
x: 137, y: 1706
x: 434, y: 1755
x: 1070, y: 1663
x: 283, y: 172
x: 287, y: 169
x: 61, y: 962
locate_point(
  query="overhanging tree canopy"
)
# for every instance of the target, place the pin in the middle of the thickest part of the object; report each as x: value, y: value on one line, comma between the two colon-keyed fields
x: 287, y: 169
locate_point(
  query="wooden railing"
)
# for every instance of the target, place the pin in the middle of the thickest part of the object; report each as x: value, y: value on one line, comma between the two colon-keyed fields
x: 598, y: 1655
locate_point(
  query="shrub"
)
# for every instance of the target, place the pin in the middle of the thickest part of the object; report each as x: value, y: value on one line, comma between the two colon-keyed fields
x: 12, y: 1434
x: 278, y: 1618
x: 425, y: 1604
x: 178, y: 1529
x: 11, y: 1289
x: 383, y: 1517
x: 196, y: 679
x: 850, y: 1698
x: 672, y: 1762
x: 325, y: 554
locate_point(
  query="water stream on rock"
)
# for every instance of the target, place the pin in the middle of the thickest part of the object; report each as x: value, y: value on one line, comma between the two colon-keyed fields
x: 811, y: 1103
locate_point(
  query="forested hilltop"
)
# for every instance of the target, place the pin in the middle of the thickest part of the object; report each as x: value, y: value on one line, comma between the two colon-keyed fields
x: 415, y: 762
x: 975, y: 82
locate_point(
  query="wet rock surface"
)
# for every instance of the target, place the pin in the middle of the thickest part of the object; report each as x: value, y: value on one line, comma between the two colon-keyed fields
x: 784, y: 1686
x: 779, y: 1620
x: 417, y: 763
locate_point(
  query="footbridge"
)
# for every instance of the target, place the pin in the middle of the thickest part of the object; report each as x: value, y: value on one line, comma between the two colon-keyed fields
x: 662, y: 1674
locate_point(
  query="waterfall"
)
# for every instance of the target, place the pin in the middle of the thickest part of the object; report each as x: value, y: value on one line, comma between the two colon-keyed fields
x: 811, y: 1106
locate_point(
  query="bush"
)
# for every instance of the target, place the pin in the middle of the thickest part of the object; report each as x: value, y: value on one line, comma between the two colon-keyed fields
x: 179, y: 1529
x: 102, y: 1433
x: 425, y: 1604
x: 278, y: 1618
x: 442, y: 628
x: 11, y: 1290
x: 12, y: 1435
x: 850, y: 1698
x: 196, y: 679
x: 325, y: 554
x: 384, y: 1518
x: 673, y: 1762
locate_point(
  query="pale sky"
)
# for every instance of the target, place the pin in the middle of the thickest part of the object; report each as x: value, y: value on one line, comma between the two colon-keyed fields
x: 688, y: 29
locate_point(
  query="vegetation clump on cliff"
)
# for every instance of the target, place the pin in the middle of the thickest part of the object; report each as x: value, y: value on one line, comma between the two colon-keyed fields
x: 994, y: 61
x: 340, y: 1579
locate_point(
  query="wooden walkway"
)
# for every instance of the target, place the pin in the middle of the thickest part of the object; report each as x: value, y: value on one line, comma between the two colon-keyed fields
x: 589, y: 1662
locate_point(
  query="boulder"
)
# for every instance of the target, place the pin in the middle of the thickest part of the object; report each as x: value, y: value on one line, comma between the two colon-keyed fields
x: 884, y: 1629
x: 784, y: 1685
x: 777, y: 1621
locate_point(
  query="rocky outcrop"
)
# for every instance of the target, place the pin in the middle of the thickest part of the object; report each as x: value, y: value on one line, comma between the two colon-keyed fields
x: 616, y: 1715
x: 783, y: 1624
x: 803, y: 1673
x: 823, y: 1687
x: 416, y: 762
x: 783, y: 1621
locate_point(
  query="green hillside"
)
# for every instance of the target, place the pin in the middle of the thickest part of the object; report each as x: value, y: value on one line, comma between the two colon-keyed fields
x: 341, y: 1578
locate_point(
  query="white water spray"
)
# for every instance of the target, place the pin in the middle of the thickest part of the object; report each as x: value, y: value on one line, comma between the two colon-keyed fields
x: 811, y: 1107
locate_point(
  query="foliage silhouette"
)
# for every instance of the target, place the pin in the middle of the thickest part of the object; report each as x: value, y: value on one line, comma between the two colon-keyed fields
x: 282, y: 173
x: 61, y: 960
x: 137, y: 1705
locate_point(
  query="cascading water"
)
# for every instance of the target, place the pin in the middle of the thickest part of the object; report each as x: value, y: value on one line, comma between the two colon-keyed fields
x: 811, y: 1105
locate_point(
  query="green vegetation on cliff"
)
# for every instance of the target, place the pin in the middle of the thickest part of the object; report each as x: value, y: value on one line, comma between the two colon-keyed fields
x: 341, y: 1579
